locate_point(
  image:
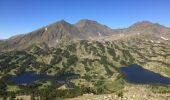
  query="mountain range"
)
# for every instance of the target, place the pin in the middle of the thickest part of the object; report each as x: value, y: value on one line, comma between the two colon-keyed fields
x: 85, y: 29
x: 90, y: 49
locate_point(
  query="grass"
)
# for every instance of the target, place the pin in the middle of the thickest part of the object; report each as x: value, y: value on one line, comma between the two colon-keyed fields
x: 13, y: 88
x: 45, y: 85
x: 108, y: 86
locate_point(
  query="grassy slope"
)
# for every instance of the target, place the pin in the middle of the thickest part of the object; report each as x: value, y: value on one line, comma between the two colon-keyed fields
x: 97, y: 61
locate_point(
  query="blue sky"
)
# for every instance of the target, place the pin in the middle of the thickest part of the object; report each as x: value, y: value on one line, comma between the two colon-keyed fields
x: 22, y: 16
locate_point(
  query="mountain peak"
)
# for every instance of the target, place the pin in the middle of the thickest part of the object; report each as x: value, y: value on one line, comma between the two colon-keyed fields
x: 147, y: 27
x: 84, y: 22
x: 145, y: 24
x: 62, y: 22
x: 87, y: 21
x: 93, y: 28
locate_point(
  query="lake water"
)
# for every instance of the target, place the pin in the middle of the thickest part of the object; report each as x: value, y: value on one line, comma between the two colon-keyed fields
x: 30, y: 77
x: 137, y: 74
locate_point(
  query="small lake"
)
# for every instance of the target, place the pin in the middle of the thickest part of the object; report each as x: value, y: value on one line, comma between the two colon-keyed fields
x: 30, y: 77
x: 137, y: 74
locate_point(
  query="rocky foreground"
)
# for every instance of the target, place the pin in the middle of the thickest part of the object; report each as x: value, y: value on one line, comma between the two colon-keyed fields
x: 137, y: 92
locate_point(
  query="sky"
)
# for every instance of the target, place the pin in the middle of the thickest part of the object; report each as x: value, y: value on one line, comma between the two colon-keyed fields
x: 23, y: 16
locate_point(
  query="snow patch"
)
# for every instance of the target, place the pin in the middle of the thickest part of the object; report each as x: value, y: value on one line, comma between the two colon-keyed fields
x: 164, y: 38
x: 120, y: 35
x: 46, y: 29
x: 138, y: 33
x: 99, y: 34
x: 158, y: 42
x: 152, y: 41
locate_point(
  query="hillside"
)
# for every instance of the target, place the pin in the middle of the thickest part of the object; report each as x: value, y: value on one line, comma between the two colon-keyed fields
x: 97, y: 61
x: 69, y: 48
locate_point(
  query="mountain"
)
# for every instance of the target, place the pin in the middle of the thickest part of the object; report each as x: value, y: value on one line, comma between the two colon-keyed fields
x: 50, y: 34
x: 58, y: 32
x: 64, y: 32
x: 146, y: 27
x: 92, y: 50
x: 93, y: 28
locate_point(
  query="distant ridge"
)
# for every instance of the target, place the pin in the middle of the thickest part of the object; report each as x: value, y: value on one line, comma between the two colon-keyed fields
x: 63, y: 31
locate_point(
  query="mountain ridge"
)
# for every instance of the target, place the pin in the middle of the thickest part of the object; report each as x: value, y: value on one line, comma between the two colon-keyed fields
x: 60, y: 31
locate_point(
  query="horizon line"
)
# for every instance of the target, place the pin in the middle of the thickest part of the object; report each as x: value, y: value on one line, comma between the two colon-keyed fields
x: 17, y: 34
